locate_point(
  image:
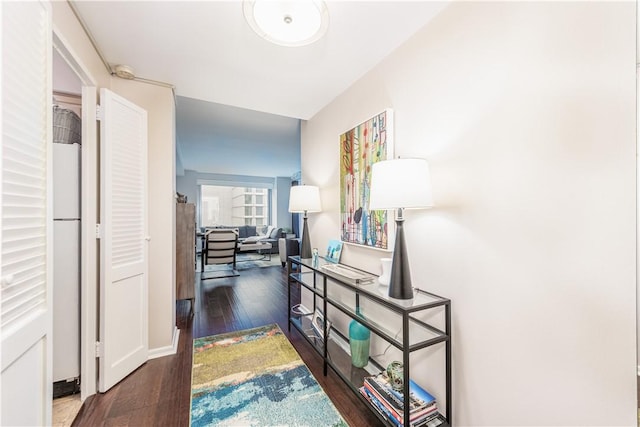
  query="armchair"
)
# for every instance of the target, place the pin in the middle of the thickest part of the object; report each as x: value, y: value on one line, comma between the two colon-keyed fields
x: 288, y: 247
x: 220, y: 247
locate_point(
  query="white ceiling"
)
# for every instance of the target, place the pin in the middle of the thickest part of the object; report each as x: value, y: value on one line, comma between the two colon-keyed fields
x: 209, y: 53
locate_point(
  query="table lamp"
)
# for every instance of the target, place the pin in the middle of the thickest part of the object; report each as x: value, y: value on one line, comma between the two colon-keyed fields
x: 305, y: 198
x: 400, y: 184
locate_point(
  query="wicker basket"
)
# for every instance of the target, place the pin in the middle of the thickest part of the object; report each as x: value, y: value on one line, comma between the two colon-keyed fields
x: 66, y: 126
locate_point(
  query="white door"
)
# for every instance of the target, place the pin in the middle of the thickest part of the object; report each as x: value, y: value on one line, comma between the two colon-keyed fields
x: 26, y: 218
x: 123, y: 245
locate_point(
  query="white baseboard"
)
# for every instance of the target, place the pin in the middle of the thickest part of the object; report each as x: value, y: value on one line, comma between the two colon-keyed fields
x: 168, y: 350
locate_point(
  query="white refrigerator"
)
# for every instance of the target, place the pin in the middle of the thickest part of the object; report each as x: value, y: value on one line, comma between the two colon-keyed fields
x: 66, y: 262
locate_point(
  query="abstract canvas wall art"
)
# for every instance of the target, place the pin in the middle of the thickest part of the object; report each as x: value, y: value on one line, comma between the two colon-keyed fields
x: 361, y: 147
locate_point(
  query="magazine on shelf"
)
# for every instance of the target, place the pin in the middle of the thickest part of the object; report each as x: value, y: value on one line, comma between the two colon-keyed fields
x: 416, y: 415
x: 419, y: 397
x: 432, y: 421
x: 378, y: 406
x: 422, y: 420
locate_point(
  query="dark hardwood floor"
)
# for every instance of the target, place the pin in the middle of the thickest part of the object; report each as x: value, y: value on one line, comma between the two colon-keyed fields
x: 158, y: 393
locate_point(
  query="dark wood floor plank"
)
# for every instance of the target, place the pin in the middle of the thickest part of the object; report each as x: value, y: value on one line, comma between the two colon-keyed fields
x: 158, y: 393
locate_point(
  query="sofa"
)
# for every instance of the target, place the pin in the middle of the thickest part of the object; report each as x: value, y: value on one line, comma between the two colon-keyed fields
x: 249, y: 234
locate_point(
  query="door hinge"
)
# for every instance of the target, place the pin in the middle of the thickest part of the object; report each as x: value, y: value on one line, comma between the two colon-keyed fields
x: 98, y: 349
x: 99, y: 113
x: 98, y: 231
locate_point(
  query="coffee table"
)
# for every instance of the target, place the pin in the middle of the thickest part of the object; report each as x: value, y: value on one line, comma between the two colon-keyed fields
x: 259, y: 247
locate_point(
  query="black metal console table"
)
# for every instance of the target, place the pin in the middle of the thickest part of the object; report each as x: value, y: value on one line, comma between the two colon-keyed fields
x: 336, y: 292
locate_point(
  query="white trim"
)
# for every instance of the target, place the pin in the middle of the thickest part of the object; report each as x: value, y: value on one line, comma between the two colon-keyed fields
x: 167, y: 350
x: 61, y: 45
x: 48, y: 380
x: 359, y: 245
x: 235, y: 183
x: 88, y: 245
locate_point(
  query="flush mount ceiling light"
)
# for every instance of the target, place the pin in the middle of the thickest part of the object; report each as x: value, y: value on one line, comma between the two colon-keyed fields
x: 287, y: 23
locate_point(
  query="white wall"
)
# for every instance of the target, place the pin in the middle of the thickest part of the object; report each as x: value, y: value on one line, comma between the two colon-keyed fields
x: 526, y: 113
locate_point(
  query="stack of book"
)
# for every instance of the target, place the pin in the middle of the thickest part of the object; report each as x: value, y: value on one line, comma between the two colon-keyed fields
x: 390, y: 403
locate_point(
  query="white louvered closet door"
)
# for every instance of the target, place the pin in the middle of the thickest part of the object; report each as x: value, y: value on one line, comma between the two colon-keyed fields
x: 123, y: 246
x: 26, y: 218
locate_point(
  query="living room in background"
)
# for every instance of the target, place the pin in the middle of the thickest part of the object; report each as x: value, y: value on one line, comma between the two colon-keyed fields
x: 226, y: 205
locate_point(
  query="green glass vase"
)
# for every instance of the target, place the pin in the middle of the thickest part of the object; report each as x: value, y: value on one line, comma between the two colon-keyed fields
x: 359, y: 338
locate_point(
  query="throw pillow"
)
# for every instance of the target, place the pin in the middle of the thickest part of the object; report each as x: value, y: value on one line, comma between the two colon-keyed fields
x: 253, y: 239
x: 275, y: 233
x: 269, y: 231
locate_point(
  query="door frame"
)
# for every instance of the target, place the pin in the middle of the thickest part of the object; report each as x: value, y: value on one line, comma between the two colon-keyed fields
x: 89, y: 212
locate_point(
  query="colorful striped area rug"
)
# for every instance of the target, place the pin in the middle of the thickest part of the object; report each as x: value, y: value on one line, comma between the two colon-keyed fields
x: 255, y: 377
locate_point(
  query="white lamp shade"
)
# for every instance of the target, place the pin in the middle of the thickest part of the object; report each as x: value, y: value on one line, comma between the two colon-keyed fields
x: 400, y: 183
x: 304, y: 198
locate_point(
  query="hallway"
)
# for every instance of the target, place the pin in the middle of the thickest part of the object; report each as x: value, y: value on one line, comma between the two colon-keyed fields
x: 158, y: 393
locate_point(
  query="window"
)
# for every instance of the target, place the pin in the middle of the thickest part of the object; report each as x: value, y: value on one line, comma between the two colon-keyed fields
x: 221, y: 205
x: 213, y: 202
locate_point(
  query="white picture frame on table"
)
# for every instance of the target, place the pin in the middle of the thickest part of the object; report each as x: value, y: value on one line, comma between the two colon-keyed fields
x: 319, y: 323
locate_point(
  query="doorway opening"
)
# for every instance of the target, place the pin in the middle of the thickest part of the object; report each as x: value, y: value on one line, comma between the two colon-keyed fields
x: 67, y: 220
x: 72, y: 84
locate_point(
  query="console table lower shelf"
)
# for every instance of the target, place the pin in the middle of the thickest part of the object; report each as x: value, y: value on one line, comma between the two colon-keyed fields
x: 337, y: 356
